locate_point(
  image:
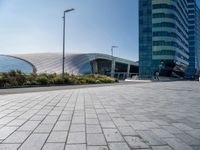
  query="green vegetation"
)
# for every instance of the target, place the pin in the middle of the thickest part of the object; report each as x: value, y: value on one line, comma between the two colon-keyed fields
x: 16, y: 78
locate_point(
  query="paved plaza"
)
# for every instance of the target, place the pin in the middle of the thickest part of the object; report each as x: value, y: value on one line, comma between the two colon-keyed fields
x: 149, y: 116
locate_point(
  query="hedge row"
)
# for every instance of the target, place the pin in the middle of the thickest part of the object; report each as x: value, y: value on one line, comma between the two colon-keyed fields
x: 16, y: 78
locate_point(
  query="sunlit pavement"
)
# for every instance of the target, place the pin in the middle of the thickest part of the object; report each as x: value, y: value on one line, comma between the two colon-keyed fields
x: 158, y: 116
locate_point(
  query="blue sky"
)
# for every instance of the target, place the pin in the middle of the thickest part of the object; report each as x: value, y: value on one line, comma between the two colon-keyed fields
x: 29, y: 26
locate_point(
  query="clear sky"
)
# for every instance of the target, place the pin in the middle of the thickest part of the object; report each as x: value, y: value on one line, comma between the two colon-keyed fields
x: 29, y: 26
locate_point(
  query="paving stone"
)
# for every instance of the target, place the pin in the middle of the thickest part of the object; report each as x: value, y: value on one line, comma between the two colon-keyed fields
x: 54, y: 113
x: 172, y: 129
x: 76, y: 138
x: 78, y: 120
x: 27, y: 114
x: 177, y: 144
x: 161, y: 122
x: 29, y: 126
x: 144, y: 118
x: 62, y: 126
x: 182, y: 126
x: 118, y: 146
x: 92, y: 121
x: 151, y: 138
x: 9, y: 146
x: 65, y: 118
x: 35, y: 142
x: 38, y: 117
x: 194, y: 133
x: 196, y: 147
x: 188, y: 139
x: 95, y: 139
x: 141, y: 118
x: 76, y: 147
x: 50, y: 120
x: 101, y: 111
x: 136, y: 125
x: 104, y: 117
x: 16, y: 122
x: 135, y: 142
x: 6, y: 120
x: 77, y: 128
x: 151, y: 125
x: 113, y: 135
x: 44, y: 128
x: 115, y: 115
x: 162, y: 133
x: 17, y: 137
x: 91, y: 116
x: 6, y: 131
x: 161, y: 148
x: 57, y: 137
x: 53, y: 146
x: 127, y: 131
x: 94, y: 129
x: 120, y: 122
x: 107, y: 124
x: 97, y: 148
x: 90, y: 111
x: 44, y: 111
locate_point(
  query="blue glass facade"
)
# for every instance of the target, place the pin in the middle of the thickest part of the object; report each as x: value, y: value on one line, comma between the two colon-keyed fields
x: 86, y: 69
x: 194, y: 40
x: 8, y: 63
x: 165, y: 37
x: 145, y: 38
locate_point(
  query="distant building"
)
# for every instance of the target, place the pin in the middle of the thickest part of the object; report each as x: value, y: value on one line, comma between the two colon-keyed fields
x: 74, y: 64
x: 168, y: 38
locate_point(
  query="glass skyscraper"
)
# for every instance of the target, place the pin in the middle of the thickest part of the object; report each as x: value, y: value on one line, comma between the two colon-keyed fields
x: 194, y: 40
x: 168, y: 37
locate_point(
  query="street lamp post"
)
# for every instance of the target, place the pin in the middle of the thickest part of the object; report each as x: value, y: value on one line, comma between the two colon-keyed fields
x: 112, y: 65
x: 63, y: 57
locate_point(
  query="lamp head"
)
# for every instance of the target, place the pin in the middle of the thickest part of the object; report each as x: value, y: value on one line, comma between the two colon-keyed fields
x: 114, y: 46
x: 69, y: 10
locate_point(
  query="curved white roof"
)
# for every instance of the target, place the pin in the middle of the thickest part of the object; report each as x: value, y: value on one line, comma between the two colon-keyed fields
x: 52, y: 62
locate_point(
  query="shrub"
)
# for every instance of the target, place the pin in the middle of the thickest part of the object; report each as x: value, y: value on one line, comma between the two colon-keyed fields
x: 96, y: 78
x: 82, y: 81
x: 57, y: 80
x: 7, y: 85
x: 107, y: 80
x: 12, y: 73
x: 14, y: 78
x: 28, y: 83
x: 30, y: 79
x: 90, y: 80
x: 67, y: 79
x: 13, y: 81
x: 71, y: 79
x: 1, y: 80
x: 18, y: 78
x: 42, y: 79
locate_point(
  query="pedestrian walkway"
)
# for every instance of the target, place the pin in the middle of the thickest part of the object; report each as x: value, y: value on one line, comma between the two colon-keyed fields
x: 147, y: 116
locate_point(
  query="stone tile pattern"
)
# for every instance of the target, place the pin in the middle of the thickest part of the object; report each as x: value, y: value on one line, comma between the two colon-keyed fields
x: 156, y: 116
